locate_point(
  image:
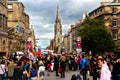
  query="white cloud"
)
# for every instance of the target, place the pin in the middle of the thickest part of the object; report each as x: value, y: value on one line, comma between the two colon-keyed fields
x: 43, y: 13
x: 45, y: 36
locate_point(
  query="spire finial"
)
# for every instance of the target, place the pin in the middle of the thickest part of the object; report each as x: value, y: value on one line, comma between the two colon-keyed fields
x: 84, y: 15
x: 58, y: 15
x: 57, y: 7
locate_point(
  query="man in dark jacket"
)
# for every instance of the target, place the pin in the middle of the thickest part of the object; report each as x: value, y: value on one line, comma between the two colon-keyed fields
x: 56, y: 64
x: 18, y: 71
x: 116, y: 70
x: 63, y: 66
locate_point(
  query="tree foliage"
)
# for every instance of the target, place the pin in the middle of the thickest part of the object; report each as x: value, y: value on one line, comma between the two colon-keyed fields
x: 95, y: 36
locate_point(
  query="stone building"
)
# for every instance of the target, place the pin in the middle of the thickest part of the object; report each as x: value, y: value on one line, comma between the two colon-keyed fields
x: 110, y: 13
x: 73, y: 34
x: 58, y: 33
x: 3, y: 28
x: 18, y: 26
x: 66, y: 43
x: 68, y: 40
x: 52, y: 44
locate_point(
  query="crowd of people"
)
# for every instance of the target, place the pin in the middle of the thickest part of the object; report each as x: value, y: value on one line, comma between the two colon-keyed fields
x: 100, y: 67
x: 104, y: 67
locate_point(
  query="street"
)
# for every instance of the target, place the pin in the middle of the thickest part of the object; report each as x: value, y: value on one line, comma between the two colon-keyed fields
x: 67, y: 75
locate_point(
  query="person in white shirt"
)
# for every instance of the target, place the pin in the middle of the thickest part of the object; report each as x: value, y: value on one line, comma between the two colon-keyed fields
x: 52, y: 66
x: 105, y: 73
x: 2, y: 70
x: 41, y: 70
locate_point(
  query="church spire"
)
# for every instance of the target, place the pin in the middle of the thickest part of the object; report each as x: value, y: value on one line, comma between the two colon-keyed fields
x: 58, y: 26
x: 58, y: 32
x: 58, y: 15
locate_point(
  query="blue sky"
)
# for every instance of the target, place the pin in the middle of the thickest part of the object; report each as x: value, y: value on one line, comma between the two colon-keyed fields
x: 42, y: 15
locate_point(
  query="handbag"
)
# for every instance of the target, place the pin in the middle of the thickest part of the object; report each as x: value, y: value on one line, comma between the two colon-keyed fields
x: 5, y: 73
x: 59, y: 69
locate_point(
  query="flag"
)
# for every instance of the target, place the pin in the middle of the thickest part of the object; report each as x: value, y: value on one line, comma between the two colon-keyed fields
x: 18, y: 28
x: 39, y: 52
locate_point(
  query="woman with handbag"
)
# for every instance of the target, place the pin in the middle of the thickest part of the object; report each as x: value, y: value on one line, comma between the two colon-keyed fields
x: 63, y: 66
x: 2, y: 70
x: 41, y: 70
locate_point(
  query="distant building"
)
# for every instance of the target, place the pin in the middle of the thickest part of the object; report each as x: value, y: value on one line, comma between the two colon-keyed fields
x: 58, y: 33
x: 3, y: 28
x: 52, y: 44
x: 18, y: 26
x: 110, y: 13
x: 32, y: 35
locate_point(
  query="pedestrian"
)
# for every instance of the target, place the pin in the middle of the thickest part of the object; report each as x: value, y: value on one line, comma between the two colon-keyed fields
x: 2, y: 70
x: 94, y: 68
x: 56, y: 64
x: 63, y: 66
x: 75, y: 62
x: 11, y: 67
x: 70, y: 62
x: 67, y: 62
x: 105, y: 73
x: 48, y: 62
x: 18, y: 71
x: 78, y: 61
x: 33, y: 72
x: 116, y: 70
x: 26, y: 68
x: 84, y: 63
x: 41, y: 70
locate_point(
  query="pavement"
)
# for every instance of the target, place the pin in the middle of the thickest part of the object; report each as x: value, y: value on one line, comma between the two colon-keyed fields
x: 68, y: 75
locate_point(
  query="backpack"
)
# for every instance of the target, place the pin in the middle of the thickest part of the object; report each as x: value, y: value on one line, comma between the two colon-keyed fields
x: 79, y: 77
x: 17, y: 74
x: 74, y: 77
x: 33, y: 73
